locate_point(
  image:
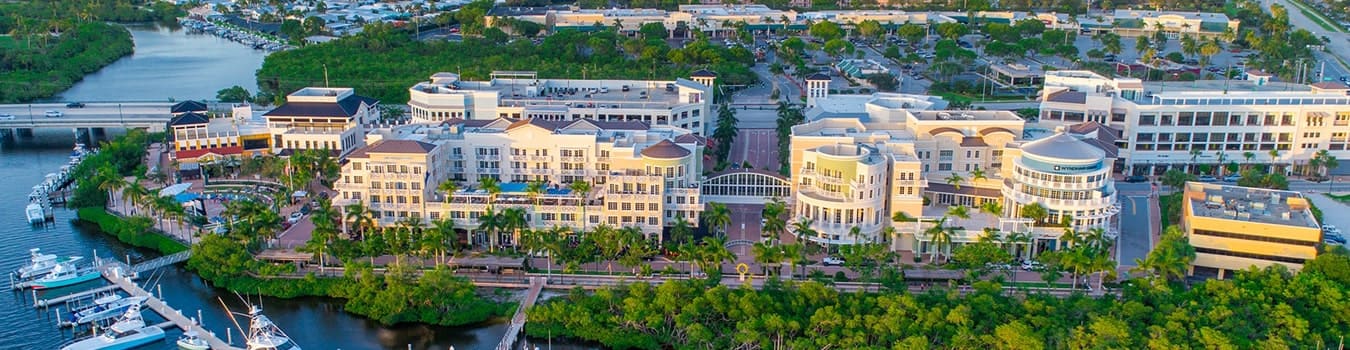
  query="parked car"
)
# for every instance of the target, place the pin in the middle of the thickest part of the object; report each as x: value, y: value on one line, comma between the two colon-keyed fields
x: 75, y: 105
x: 295, y: 217
x: 1207, y: 178
x: 1136, y: 178
x: 1331, y: 229
x: 1031, y: 265
x: 993, y: 266
x: 53, y: 114
x: 832, y: 261
x: 6, y: 117
x: 1232, y: 178
x: 1337, y: 238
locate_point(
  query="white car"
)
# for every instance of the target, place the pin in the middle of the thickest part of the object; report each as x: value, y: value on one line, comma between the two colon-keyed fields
x: 1030, y: 265
x: 295, y: 217
x: 6, y: 117
x: 1330, y: 229
x: 53, y: 114
x: 832, y: 261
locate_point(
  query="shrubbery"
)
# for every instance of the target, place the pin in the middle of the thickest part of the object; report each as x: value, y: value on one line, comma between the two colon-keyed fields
x: 134, y: 230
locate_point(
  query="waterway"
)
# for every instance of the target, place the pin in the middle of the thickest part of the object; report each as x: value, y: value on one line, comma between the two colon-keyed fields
x: 170, y: 63
x: 181, y: 63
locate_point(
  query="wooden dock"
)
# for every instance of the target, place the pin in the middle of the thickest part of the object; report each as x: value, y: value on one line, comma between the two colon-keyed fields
x: 174, y: 316
x: 518, y: 321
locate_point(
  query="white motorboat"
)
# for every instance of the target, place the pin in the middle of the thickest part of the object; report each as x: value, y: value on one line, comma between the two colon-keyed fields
x: 41, y: 264
x: 129, y: 332
x: 108, y: 308
x: 265, y: 335
x: 36, y: 213
x: 262, y: 333
x: 190, y: 341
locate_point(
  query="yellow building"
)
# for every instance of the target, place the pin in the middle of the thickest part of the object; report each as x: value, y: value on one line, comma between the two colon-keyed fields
x: 1233, y: 228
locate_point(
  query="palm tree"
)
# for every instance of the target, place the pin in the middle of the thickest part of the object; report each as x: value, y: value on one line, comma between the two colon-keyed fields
x: 977, y: 175
x: 488, y: 223
x: 717, y: 216
x: 110, y: 182
x: 794, y: 254
x: 1015, y: 239
x: 766, y: 254
x: 955, y: 180
x: 360, y: 218
x: 135, y: 193
x: 1323, y: 161
x: 513, y: 220
x: 443, y: 236
x: 1247, y: 159
x: 959, y: 211
x: 582, y: 190
x: 1170, y: 258
x: 533, y: 191
x: 992, y: 208
x: 714, y: 251
x: 1036, y: 212
x: 681, y: 232
x: 774, y: 224
x: 939, y: 235
x: 1274, y: 157
x: 802, y: 228
x: 492, y: 187
x: 448, y: 188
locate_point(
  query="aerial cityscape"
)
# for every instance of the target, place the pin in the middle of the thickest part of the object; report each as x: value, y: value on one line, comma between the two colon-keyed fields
x: 632, y: 174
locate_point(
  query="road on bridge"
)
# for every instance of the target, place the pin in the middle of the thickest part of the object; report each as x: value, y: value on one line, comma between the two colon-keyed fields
x: 137, y: 114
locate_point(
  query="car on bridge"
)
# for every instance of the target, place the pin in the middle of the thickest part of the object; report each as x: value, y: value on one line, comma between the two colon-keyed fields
x: 53, y: 114
x: 6, y: 117
x: 75, y: 105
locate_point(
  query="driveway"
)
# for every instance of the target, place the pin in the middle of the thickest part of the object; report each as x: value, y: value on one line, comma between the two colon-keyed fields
x: 1136, y: 229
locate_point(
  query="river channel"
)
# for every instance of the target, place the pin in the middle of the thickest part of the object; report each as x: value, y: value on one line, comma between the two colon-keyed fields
x: 171, y: 63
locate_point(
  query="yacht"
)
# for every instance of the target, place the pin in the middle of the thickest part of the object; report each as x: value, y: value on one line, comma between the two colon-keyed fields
x: 40, y: 264
x: 190, y: 341
x: 129, y: 332
x: 65, y: 274
x: 105, y: 308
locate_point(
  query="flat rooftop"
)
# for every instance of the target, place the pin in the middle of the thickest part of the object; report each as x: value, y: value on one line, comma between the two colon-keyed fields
x: 1249, y: 204
x: 566, y: 92
x: 966, y: 115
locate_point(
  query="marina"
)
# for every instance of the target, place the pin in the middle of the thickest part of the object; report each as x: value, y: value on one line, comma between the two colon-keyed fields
x: 220, y: 28
x: 50, y: 190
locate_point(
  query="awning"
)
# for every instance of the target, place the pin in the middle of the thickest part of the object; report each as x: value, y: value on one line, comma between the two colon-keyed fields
x: 174, y: 190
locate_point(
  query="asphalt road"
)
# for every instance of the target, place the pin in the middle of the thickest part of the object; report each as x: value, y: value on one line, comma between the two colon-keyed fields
x: 1136, y: 229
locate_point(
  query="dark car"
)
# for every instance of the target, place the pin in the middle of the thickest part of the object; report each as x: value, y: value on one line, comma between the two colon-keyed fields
x: 1136, y: 178
x: 75, y: 105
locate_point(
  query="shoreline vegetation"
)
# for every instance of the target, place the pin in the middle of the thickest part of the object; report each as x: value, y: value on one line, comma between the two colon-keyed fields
x: 1271, y: 308
x: 48, y: 46
x: 400, y: 295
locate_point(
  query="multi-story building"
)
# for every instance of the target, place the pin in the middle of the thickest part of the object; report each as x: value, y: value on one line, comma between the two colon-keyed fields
x: 322, y: 118
x: 682, y: 103
x: 1184, y: 124
x: 863, y: 160
x: 1066, y: 174
x: 1233, y: 228
x: 196, y: 137
x: 641, y: 175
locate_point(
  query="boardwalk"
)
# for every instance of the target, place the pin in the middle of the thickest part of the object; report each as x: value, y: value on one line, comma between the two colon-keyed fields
x: 518, y: 321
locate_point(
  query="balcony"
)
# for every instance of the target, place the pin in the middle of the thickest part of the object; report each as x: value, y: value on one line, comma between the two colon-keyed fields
x: 574, y: 171
x: 456, y: 156
x: 541, y: 158
x: 1061, y: 204
x: 488, y: 157
x: 577, y: 159
x: 519, y: 157
x: 830, y: 180
x: 602, y: 159
x: 489, y: 170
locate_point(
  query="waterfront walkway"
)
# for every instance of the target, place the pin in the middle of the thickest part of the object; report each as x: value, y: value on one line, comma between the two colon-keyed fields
x: 518, y: 321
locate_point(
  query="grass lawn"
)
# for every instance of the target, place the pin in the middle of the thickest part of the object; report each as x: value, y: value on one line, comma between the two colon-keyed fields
x: 1344, y: 198
x: 1316, y: 17
x: 1170, y: 207
x: 954, y: 97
